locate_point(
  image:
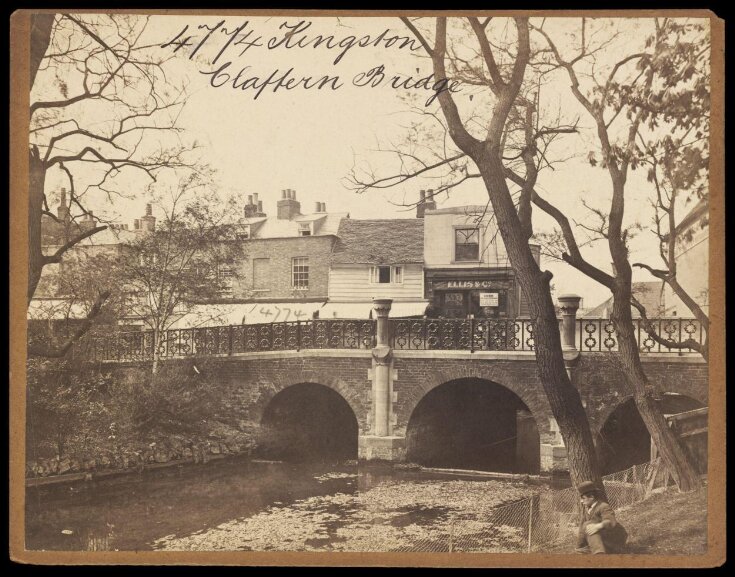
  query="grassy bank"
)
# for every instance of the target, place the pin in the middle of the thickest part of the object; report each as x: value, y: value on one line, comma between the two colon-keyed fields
x: 667, y: 523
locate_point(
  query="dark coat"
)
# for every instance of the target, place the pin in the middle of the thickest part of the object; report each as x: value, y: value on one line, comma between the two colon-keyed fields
x: 614, y: 537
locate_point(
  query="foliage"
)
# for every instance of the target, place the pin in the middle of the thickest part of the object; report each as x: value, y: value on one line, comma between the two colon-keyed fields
x: 174, y: 400
x: 65, y: 408
x: 85, y: 413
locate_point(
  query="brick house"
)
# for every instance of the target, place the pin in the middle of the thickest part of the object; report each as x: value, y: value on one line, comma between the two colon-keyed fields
x: 284, y: 272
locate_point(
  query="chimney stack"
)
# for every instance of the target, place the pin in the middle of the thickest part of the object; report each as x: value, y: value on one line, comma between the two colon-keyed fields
x: 63, y: 210
x: 430, y: 203
x: 88, y: 222
x: 251, y: 208
x: 288, y: 206
x: 421, y: 205
x: 148, y: 222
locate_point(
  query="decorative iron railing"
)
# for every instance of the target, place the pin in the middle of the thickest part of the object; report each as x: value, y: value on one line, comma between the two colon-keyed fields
x: 593, y: 335
x: 463, y: 334
x: 231, y: 339
x: 600, y: 335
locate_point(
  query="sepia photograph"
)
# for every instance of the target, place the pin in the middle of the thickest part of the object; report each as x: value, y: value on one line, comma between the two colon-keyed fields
x: 341, y: 288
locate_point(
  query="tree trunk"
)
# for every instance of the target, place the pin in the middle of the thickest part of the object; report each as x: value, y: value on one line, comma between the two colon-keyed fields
x: 669, y: 446
x: 564, y: 399
x: 41, y: 27
x: 156, y: 351
x: 36, y: 184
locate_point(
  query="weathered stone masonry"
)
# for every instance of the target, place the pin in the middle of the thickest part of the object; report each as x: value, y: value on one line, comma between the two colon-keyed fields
x: 383, y: 386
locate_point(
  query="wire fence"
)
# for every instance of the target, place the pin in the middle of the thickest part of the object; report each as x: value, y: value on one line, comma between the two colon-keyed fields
x: 537, y: 522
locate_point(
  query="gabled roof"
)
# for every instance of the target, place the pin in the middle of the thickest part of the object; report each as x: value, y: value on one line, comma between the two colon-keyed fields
x: 384, y: 241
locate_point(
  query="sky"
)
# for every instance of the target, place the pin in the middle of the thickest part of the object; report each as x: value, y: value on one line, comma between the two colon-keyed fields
x: 309, y: 140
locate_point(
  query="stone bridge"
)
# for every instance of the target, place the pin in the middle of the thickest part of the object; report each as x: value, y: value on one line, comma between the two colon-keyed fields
x: 397, y: 401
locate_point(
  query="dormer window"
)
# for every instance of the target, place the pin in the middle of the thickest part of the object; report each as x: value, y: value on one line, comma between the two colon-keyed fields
x: 244, y: 233
x: 305, y: 229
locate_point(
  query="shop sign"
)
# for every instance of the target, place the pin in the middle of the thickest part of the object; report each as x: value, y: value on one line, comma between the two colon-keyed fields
x: 466, y: 284
x: 488, y: 299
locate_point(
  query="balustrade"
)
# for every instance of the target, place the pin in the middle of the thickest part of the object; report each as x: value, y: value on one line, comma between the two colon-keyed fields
x: 474, y: 335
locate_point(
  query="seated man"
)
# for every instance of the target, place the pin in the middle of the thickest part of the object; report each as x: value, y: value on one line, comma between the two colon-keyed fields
x: 599, y: 532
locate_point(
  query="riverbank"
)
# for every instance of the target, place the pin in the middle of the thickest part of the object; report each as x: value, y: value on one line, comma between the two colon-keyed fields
x: 667, y: 523
x: 132, y: 457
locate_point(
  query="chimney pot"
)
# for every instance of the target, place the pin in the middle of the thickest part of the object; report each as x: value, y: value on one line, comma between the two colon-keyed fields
x: 136, y: 224
x: 318, y: 207
x: 148, y: 209
x: 422, y: 194
x: 255, y: 198
x: 250, y: 199
x: 283, y: 194
x: 324, y: 207
x: 260, y: 206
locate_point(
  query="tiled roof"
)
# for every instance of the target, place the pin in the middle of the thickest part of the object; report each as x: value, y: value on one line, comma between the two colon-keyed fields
x: 384, y: 241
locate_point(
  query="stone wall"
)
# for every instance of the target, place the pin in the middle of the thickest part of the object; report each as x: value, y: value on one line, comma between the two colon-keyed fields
x: 249, y: 382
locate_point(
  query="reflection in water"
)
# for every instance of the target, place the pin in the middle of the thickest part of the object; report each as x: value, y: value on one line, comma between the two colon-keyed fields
x: 238, y: 504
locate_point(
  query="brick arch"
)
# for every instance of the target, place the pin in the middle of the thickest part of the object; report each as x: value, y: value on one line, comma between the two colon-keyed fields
x: 602, y: 415
x: 529, y: 391
x: 273, y: 387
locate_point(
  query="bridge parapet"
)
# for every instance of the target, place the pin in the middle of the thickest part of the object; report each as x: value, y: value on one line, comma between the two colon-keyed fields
x: 421, y: 334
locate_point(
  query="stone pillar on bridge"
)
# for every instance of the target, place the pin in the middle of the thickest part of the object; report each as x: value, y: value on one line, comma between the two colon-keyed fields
x: 553, y: 452
x: 381, y: 444
x: 569, y: 305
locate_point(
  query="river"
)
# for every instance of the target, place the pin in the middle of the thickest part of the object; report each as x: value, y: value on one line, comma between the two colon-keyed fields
x: 238, y: 504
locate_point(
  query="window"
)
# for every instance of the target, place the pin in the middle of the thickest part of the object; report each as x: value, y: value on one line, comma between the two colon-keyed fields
x: 243, y: 233
x: 466, y: 244
x: 225, y: 280
x: 305, y: 229
x: 300, y: 273
x: 386, y: 274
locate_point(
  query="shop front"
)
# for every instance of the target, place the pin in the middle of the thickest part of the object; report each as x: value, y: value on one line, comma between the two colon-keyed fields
x: 486, y: 296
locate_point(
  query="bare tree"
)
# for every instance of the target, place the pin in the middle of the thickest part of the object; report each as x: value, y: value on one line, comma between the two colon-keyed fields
x: 632, y: 102
x: 102, y: 109
x: 486, y: 143
x: 190, y: 258
x: 674, y: 170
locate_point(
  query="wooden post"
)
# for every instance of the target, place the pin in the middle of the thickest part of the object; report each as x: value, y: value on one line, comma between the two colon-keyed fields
x: 530, y: 522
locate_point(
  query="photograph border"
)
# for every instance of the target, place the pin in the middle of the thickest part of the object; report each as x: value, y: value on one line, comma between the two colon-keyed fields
x: 18, y: 222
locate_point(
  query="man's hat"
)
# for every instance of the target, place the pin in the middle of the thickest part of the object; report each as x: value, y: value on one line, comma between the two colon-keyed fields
x: 587, y: 487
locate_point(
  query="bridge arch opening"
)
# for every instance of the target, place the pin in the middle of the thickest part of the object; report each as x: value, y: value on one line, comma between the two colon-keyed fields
x: 473, y: 423
x: 623, y: 440
x: 308, y: 422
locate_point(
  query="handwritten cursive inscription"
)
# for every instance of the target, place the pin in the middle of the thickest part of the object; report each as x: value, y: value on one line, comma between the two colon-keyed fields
x: 224, y: 43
